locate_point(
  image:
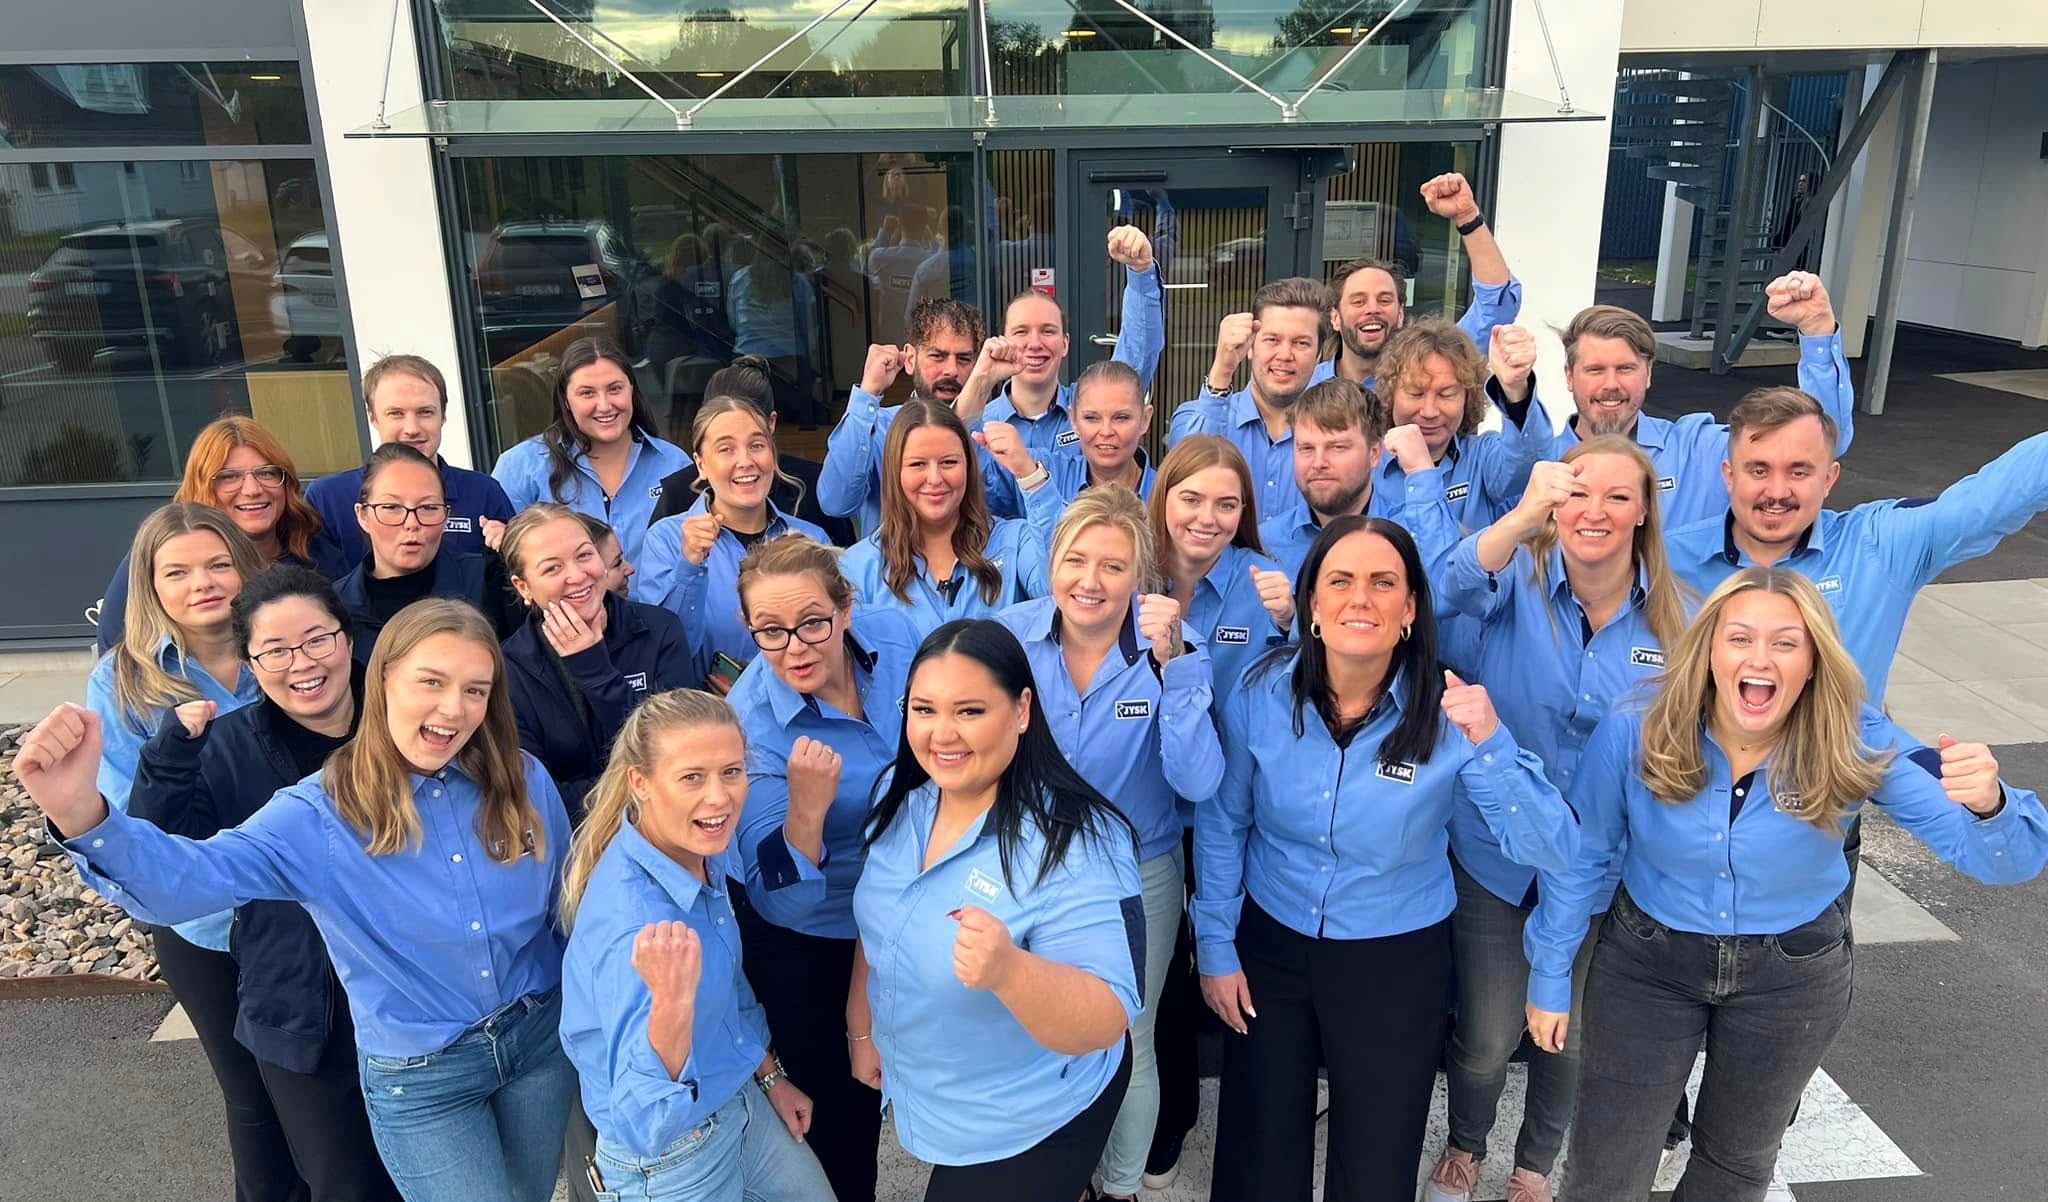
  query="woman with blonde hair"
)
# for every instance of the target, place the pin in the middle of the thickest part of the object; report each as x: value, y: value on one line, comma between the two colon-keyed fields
x: 1723, y: 802
x: 239, y: 467
x: 1125, y: 686
x: 672, y: 1050
x: 1571, y: 604
x: 187, y: 565
x: 428, y: 852
x: 822, y: 707
x: 690, y: 562
x: 939, y: 554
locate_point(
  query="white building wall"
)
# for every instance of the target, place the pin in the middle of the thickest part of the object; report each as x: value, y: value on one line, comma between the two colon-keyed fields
x: 1978, y: 258
x: 383, y: 204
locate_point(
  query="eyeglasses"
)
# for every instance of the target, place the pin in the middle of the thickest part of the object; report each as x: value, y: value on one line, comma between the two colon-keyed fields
x: 391, y: 513
x: 317, y: 648
x: 811, y: 630
x: 230, y: 479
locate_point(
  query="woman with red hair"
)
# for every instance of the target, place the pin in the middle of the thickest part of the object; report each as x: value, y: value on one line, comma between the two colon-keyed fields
x: 237, y: 466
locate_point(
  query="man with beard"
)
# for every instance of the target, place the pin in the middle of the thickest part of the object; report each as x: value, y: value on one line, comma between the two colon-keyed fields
x: 944, y: 334
x: 1284, y: 333
x: 1340, y: 432
x: 1607, y: 357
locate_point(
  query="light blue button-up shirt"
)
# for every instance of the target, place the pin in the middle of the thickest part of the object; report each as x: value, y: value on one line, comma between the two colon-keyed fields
x: 1688, y: 453
x: 706, y: 596
x: 1139, y: 733
x: 966, y: 1082
x: 1765, y: 872
x: 122, y: 736
x: 1017, y: 546
x: 1549, y: 684
x: 849, y: 483
x: 1067, y: 475
x: 523, y: 470
x: 427, y: 942
x: 784, y: 887
x: 1334, y: 843
x: 1237, y: 418
x: 1416, y: 504
x: 627, y: 1092
x: 1870, y: 561
x: 1234, y: 623
x: 1485, y: 472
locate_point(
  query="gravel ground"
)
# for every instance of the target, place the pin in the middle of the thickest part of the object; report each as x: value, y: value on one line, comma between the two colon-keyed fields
x: 51, y: 924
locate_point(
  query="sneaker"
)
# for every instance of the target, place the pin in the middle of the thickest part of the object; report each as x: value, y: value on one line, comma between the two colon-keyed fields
x: 1454, y: 1178
x: 1527, y: 1185
x: 1778, y: 1191
x: 1162, y: 1168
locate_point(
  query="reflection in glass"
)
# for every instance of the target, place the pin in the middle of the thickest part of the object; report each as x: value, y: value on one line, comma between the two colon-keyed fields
x: 140, y: 300
x: 1376, y: 212
x: 689, y: 261
x: 151, y: 104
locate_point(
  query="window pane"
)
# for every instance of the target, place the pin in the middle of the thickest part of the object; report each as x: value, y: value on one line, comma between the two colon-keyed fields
x: 689, y: 261
x: 155, y: 296
x: 152, y: 104
x: 1376, y: 212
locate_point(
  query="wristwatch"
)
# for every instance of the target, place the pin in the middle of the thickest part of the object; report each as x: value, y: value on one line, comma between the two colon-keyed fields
x: 1466, y: 229
x: 767, y: 1081
x: 1214, y: 391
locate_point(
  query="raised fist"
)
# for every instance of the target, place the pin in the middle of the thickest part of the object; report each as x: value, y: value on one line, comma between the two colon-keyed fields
x: 884, y: 364
x: 1000, y: 439
x: 195, y: 715
x: 1469, y: 708
x: 669, y: 958
x: 1159, y: 625
x: 1000, y: 359
x: 982, y: 949
x: 1234, y: 336
x: 1450, y: 197
x: 1799, y: 299
x: 1129, y: 246
x: 1409, y: 448
x: 1276, y: 593
x: 700, y: 531
x: 1511, y: 354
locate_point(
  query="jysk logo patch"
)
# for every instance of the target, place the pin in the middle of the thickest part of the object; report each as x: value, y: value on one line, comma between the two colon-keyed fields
x: 983, y: 886
x: 1457, y: 492
x: 1067, y: 438
x: 1140, y: 707
x: 1645, y: 657
x: 654, y: 493
x: 1667, y: 483
x: 637, y: 682
x: 458, y: 526
x: 1829, y: 584
x: 1399, y: 773
x: 1238, y: 635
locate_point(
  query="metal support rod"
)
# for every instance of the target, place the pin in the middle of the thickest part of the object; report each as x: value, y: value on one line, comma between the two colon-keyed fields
x: 988, y: 71
x: 1543, y: 23
x: 1915, y: 111
x: 1288, y: 111
x: 682, y: 120
x: 384, y: 92
x: 1357, y: 46
x: 1815, y: 218
x: 1735, y: 234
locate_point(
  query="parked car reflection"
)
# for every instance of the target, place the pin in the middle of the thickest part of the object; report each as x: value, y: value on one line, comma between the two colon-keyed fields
x: 528, y: 286
x: 303, y: 301
x: 164, y: 286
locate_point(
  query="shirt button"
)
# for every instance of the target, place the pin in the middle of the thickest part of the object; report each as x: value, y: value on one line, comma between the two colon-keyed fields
x: 1718, y: 836
x: 1314, y: 910
x: 437, y: 792
x: 1724, y: 913
x: 718, y: 922
x: 476, y: 926
x: 456, y: 858
x: 1739, y: 793
x: 1487, y: 758
x: 103, y: 842
x: 1514, y: 809
x: 487, y: 972
x: 1322, y: 838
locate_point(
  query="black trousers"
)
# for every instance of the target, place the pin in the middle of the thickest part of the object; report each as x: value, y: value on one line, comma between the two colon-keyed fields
x: 204, y: 983
x: 1183, y: 1015
x: 324, y: 1121
x: 801, y: 981
x: 1054, y: 1169
x: 1374, y: 1012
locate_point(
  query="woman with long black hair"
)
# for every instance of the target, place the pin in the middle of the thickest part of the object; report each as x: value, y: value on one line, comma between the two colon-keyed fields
x: 1323, y: 888
x: 1003, y: 1067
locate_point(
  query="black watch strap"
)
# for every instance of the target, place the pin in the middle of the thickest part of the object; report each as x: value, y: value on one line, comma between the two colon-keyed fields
x: 1466, y: 229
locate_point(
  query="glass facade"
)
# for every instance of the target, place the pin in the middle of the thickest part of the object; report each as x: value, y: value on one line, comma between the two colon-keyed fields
x: 151, y: 104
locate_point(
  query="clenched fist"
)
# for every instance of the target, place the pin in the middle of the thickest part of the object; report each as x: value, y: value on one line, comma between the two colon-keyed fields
x: 700, y: 531
x: 1276, y: 593
x: 813, y: 780
x: 195, y: 715
x: 1450, y: 197
x: 494, y: 533
x: 983, y: 952
x: 1234, y: 336
x: 1799, y: 299
x: 1969, y: 775
x: 58, y: 765
x: 1001, y: 440
x: 884, y: 364
x: 1469, y: 708
x: 1129, y: 246
x: 1551, y: 484
x: 1159, y: 625
x: 1406, y: 446
x: 1000, y: 359
x: 1511, y: 354
x: 669, y: 958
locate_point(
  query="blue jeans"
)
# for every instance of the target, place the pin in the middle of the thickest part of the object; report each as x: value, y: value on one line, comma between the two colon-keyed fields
x: 481, y: 1120
x: 743, y: 1151
x: 1767, y: 1007
x: 1123, y: 1160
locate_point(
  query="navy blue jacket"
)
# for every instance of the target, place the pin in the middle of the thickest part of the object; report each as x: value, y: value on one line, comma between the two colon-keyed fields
x: 288, y: 996
x: 114, y: 602
x: 458, y: 575
x: 569, y: 710
x: 472, y: 497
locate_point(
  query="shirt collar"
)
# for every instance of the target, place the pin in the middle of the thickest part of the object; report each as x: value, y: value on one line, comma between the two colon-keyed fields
x: 1733, y: 553
x: 777, y: 520
x: 1649, y: 433
x: 1561, y: 585
x: 1243, y: 409
x: 923, y: 804
x: 674, y: 879
x: 1060, y: 395
x: 1046, y: 621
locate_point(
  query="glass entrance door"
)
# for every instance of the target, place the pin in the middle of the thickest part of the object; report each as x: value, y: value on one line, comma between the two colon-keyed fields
x: 1221, y: 225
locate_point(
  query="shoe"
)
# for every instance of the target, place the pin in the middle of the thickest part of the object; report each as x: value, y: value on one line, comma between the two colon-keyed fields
x: 1527, y: 1185
x: 1455, y: 1176
x: 1778, y: 1191
x: 1162, y: 1169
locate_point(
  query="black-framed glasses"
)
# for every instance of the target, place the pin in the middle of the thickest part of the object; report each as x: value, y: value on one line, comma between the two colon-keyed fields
x: 811, y: 630
x: 317, y: 648
x: 391, y: 513
x: 230, y: 479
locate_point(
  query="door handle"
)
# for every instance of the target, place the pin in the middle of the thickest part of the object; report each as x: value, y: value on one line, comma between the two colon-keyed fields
x: 1103, y: 339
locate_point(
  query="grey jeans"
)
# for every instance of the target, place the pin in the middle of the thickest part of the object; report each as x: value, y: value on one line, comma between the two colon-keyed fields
x: 1493, y: 985
x: 1767, y: 1007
